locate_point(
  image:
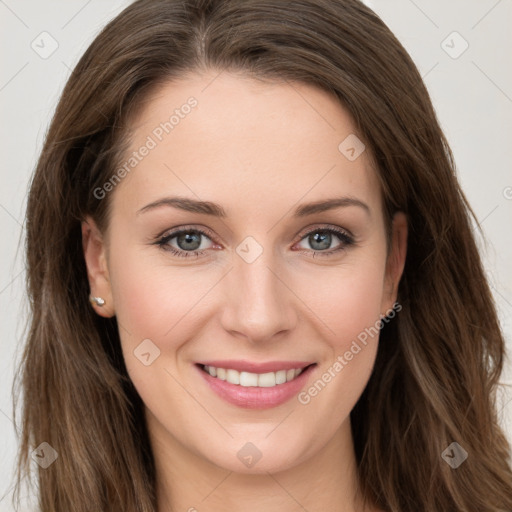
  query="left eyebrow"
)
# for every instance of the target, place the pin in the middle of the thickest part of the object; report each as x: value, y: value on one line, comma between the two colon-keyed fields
x: 329, y: 204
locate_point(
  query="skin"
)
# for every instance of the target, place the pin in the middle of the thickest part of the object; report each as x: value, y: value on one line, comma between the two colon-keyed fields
x: 259, y: 150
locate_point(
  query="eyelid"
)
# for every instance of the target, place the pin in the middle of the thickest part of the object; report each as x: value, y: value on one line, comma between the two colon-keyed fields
x: 323, y: 226
x: 187, y: 227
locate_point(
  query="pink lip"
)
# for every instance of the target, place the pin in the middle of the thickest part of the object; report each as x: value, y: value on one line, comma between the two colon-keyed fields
x: 252, y: 397
x: 248, y: 366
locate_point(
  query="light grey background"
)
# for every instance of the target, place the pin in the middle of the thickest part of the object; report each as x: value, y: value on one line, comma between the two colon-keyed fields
x: 471, y: 91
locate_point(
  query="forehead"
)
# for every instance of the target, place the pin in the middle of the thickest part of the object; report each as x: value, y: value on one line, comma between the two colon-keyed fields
x: 245, y: 144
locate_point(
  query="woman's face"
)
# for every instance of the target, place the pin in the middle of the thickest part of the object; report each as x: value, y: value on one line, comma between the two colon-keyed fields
x: 263, y: 282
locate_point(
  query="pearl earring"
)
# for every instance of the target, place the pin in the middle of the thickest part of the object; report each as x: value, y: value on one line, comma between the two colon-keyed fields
x: 96, y: 300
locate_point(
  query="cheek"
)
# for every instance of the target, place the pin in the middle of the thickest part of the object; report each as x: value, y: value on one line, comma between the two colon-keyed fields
x: 346, y: 299
x: 349, y: 307
x: 155, y: 301
x: 149, y: 296
x: 355, y: 307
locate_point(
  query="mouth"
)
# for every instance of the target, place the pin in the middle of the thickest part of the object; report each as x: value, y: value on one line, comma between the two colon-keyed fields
x: 256, y: 389
x: 250, y: 379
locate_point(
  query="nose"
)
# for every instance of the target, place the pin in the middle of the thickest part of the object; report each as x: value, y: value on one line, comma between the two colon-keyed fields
x: 258, y: 303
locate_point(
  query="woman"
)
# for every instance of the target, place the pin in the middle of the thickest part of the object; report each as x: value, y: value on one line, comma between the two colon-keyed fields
x: 253, y: 278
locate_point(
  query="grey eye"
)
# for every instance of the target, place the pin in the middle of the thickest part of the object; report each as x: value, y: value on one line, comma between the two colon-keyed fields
x: 319, y: 240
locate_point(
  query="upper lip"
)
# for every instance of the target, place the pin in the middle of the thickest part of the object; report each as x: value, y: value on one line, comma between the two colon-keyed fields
x: 253, y: 367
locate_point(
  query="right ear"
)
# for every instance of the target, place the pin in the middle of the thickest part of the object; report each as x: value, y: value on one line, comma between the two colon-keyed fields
x: 97, y: 269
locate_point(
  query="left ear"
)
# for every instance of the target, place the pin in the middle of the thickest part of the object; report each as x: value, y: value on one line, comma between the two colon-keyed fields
x: 395, y: 262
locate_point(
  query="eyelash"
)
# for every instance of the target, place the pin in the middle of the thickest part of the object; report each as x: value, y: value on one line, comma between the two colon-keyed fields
x: 346, y: 239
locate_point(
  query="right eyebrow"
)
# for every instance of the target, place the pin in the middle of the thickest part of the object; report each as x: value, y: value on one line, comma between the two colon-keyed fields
x: 189, y: 205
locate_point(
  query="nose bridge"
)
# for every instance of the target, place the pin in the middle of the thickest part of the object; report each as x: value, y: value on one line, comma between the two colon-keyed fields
x: 258, y: 303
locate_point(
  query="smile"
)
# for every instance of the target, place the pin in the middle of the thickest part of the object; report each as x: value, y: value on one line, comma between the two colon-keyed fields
x: 247, y: 379
x: 255, y: 386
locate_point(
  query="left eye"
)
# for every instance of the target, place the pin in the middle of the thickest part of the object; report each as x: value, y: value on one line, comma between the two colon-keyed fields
x: 321, y: 239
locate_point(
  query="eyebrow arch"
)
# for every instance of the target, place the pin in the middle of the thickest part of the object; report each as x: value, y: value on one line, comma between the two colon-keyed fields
x: 209, y: 208
x: 189, y: 205
x: 329, y: 204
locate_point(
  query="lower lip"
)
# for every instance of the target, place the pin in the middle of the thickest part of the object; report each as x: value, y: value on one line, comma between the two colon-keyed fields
x: 251, y: 397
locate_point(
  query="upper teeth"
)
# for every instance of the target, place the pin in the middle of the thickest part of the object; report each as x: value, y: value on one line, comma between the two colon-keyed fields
x: 262, y: 380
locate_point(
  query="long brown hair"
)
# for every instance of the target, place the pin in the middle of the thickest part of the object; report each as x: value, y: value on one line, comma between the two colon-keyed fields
x: 439, y: 360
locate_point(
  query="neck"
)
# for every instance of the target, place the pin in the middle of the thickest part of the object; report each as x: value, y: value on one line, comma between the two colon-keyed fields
x: 188, y: 482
